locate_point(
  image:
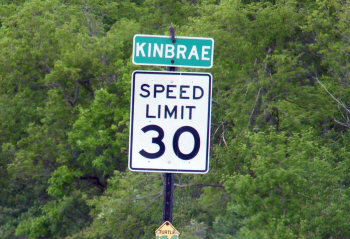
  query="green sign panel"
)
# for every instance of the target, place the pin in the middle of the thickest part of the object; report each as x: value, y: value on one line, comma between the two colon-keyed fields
x: 194, y: 52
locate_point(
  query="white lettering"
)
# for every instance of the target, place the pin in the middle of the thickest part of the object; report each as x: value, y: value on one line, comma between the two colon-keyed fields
x: 169, y: 49
x: 158, y: 50
x: 181, y: 49
x: 150, y: 49
x: 193, y: 53
x: 139, y: 48
x: 204, y: 52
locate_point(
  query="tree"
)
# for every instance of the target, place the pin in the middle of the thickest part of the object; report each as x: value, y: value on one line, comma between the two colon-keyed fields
x: 280, y: 123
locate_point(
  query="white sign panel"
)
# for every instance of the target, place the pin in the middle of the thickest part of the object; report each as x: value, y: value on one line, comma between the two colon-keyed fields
x: 170, y: 122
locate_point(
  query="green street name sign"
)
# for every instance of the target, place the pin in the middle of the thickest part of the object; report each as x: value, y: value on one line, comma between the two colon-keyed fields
x: 193, y: 52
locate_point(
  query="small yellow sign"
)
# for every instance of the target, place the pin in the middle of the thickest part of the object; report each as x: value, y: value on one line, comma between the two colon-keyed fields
x: 167, y: 231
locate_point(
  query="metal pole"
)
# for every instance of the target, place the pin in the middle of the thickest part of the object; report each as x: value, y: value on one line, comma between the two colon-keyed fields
x: 168, y: 192
x: 168, y: 188
x: 168, y: 178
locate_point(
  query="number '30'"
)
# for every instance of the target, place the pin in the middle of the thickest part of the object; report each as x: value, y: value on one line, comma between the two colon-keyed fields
x: 158, y: 140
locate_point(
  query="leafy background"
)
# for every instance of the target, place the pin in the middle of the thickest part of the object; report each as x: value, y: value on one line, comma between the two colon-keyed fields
x: 279, y: 163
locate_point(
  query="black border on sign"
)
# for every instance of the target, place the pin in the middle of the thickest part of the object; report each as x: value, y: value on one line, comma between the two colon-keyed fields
x: 132, y: 123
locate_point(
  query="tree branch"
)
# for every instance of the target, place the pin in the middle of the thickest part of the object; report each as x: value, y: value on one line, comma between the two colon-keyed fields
x: 336, y: 100
x: 147, y: 196
x: 347, y: 123
x: 154, y: 200
x: 256, y: 101
x: 94, y: 181
x: 199, y: 184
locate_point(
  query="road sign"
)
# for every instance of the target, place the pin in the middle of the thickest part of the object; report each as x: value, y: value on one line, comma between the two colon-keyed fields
x: 194, y: 52
x: 167, y: 231
x: 170, y: 122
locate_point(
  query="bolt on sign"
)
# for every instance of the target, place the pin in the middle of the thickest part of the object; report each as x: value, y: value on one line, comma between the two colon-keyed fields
x: 193, y: 52
x: 170, y: 117
x: 167, y: 231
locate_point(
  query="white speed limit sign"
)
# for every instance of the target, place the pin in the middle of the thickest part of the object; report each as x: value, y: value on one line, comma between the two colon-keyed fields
x: 170, y: 122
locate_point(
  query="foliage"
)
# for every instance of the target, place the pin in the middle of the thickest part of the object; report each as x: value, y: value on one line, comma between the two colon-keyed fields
x: 279, y: 141
x: 281, y: 187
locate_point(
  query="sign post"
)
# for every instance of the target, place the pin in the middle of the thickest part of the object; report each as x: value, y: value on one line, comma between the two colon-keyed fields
x: 168, y: 186
x: 170, y: 112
